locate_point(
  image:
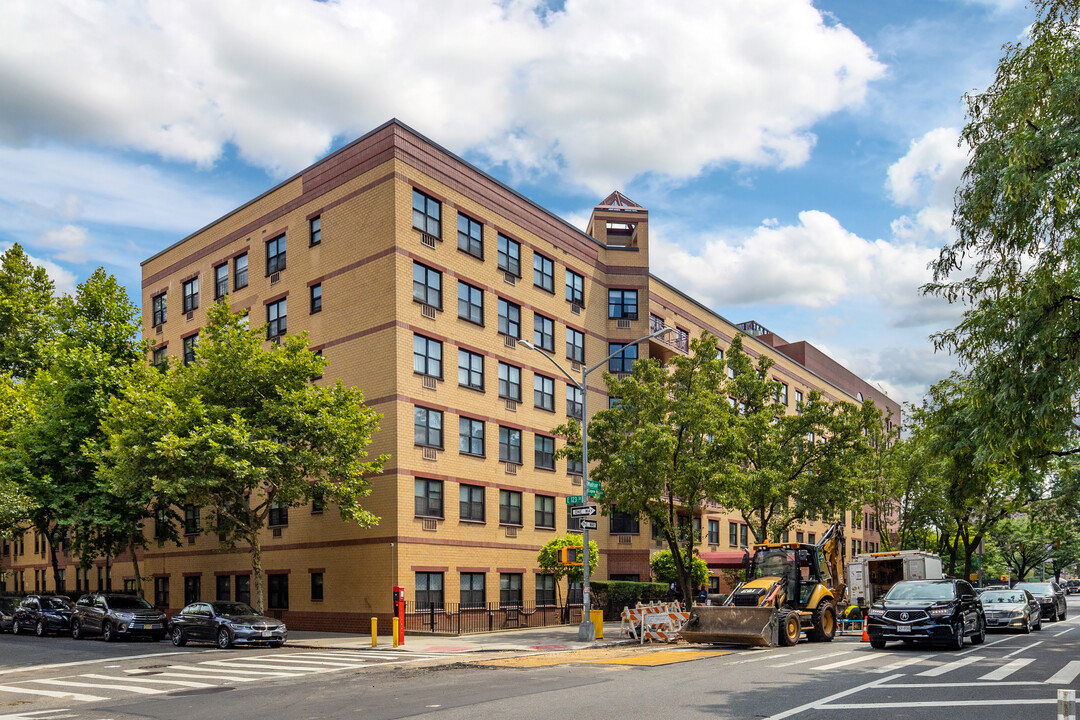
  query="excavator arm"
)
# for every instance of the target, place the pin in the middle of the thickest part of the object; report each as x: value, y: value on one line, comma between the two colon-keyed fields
x: 832, y: 547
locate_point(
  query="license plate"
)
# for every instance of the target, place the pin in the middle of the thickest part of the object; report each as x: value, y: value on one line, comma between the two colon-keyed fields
x: 903, y: 628
x: 266, y: 633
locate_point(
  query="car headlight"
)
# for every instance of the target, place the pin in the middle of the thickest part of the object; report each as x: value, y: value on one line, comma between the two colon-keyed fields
x: 940, y: 612
x: 1016, y: 613
x: 125, y: 616
x: 1046, y: 598
x: 876, y: 612
x: 239, y: 626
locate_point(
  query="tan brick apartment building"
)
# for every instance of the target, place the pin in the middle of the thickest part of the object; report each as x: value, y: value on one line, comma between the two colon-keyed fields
x: 415, y: 274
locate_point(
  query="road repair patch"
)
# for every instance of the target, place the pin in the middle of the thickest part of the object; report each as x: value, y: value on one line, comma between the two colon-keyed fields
x: 604, y: 656
x: 664, y: 657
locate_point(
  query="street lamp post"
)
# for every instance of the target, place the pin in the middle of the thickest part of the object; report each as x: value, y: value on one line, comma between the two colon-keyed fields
x: 586, y: 631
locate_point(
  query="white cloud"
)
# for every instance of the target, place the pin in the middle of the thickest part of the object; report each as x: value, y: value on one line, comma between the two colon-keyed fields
x: 69, y: 240
x: 926, y: 178
x: 596, y: 90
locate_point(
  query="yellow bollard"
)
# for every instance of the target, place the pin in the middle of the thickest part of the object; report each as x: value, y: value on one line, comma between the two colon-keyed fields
x: 597, y: 617
x: 374, y: 632
x: 395, y: 631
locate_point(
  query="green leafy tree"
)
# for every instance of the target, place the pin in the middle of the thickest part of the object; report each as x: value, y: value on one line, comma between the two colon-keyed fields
x: 27, y: 310
x: 663, y: 569
x: 548, y: 561
x: 663, y: 450
x: 242, y: 430
x: 1024, y: 544
x: 1016, y: 261
x: 883, y: 475
x: 14, y: 505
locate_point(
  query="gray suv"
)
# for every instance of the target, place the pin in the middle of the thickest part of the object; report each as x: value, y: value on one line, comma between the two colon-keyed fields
x: 114, y: 615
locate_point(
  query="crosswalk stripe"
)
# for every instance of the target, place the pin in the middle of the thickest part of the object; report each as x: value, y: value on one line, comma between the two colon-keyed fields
x: 52, y: 693
x: 1006, y: 670
x: 808, y: 658
x: 234, y: 671
x: 252, y: 665
x: 1064, y: 631
x: 102, y: 686
x: 842, y: 663
x: 770, y: 656
x: 154, y: 679
x: 226, y: 678
x: 287, y: 660
x: 39, y: 715
x: 1065, y: 675
x: 949, y: 667
x: 903, y: 663
x: 1026, y: 647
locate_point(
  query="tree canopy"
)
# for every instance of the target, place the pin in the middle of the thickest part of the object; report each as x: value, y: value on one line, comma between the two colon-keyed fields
x: 27, y: 309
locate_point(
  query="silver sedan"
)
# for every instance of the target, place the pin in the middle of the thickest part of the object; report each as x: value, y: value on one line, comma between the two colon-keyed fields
x: 1015, y: 609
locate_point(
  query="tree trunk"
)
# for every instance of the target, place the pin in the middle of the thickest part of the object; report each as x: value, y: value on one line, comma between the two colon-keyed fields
x: 54, y: 560
x: 135, y: 565
x: 257, y: 572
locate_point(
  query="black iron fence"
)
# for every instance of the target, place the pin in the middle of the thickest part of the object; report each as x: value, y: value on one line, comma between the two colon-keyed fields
x: 458, y: 619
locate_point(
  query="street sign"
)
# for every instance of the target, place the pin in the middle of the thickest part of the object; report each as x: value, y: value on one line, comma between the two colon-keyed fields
x: 574, y: 500
x: 599, y: 494
x: 593, y: 486
x: 583, y: 511
x: 587, y: 524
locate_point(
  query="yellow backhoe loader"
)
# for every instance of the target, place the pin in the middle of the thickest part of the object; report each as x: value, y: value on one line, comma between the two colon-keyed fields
x: 790, y: 588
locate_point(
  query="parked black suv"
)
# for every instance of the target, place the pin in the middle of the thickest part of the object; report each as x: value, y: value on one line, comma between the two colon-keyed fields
x: 113, y: 615
x: 43, y: 614
x: 1050, y: 596
x: 933, y: 610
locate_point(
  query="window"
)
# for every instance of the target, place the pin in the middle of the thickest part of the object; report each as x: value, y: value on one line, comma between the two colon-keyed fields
x: 811, y: 538
x: 275, y: 255
x: 509, y: 445
x: 470, y: 369
x: 470, y: 303
x: 191, y: 294
x: 545, y: 511
x: 427, y: 285
x: 509, y: 318
x: 714, y: 532
x: 192, y: 589
x: 221, y: 281
x: 575, y: 288
x: 798, y: 400
x: 318, y: 502
x: 428, y: 496
x: 316, y: 298
x: 543, y: 272
x: 429, y: 590
x: 509, y: 382
x: 575, y: 345
x: 624, y: 523
x: 744, y: 533
x: 224, y: 588
x: 160, y: 304
x: 315, y: 231
x: 191, y: 520
x: 279, y: 514
x: 799, y: 536
x: 471, y: 436
x: 316, y: 586
x: 543, y: 332
x: 545, y: 590
x: 622, y: 304
x: 472, y: 589
x: 161, y: 591
x: 614, y: 402
x: 240, y: 271
x: 786, y: 536
x: 427, y: 356
x: 159, y: 359
x: 426, y: 214
x: 276, y: 318
x: 243, y: 589
x: 544, y: 392
x: 573, y: 402
x: 277, y: 591
x: 573, y: 467
x: 190, y: 343
x: 470, y: 236
x: 624, y: 361
x: 427, y: 427
x: 782, y: 394
x: 510, y: 589
x: 509, y: 507
x: 471, y: 501
x: 544, y: 450
x: 509, y: 255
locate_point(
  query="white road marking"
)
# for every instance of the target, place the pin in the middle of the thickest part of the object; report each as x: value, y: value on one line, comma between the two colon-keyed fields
x: 182, y: 683
x: 234, y: 671
x: 101, y: 686
x: 1006, y: 670
x: 1026, y: 647
x: 770, y: 656
x: 38, y: 714
x: 1064, y: 631
x: 51, y: 693
x: 977, y: 648
x: 904, y: 663
x: 288, y: 660
x: 809, y: 657
x: 253, y: 665
x: 822, y: 702
x: 842, y: 663
x: 226, y: 678
x: 949, y: 667
x: 1065, y: 675
x: 964, y: 684
x: 942, y: 703
x: 28, y: 668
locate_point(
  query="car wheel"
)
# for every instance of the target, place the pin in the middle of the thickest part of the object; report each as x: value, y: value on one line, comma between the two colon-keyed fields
x: 1027, y: 626
x: 790, y: 627
x: 178, y: 638
x: 1064, y: 614
x: 224, y: 639
x: 1038, y: 622
x: 877, y: 644
x: 76, y: 630
x: 957, y: 643
x: 107, y: 632
x: 39, y: 629
x: 15, y: 627
x: 824, y: 623
x: 979, y: 636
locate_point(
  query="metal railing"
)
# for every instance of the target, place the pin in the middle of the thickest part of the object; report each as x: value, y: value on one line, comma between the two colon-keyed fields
x: 679, y: 339
x: 458, y: 619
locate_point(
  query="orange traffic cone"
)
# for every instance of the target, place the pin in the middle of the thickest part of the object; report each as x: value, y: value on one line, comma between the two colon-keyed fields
x: 865, y: 635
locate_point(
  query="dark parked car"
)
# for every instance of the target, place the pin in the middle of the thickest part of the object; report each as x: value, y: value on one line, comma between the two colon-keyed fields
x: 115, y: 615
x: 7, y: 612
x: 944, y: 611
x: 225, y: 623
x: 42, y: 614
x: 1050, y: 596
x: 1011, y: 609
x: 1073, y: 586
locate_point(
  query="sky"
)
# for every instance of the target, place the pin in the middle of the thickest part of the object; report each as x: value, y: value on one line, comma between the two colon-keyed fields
x: 798, y: 157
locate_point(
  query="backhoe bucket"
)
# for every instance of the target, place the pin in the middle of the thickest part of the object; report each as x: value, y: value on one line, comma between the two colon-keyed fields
x: 732, y: 625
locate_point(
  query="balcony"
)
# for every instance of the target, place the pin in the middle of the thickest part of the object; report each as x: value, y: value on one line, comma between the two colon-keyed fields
x: 679, y: 339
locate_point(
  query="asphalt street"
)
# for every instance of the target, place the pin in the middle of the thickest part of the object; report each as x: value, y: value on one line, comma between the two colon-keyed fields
x: 1010, y: 676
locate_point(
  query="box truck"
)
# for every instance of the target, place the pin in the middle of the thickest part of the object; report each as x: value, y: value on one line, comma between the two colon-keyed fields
x: 871, y: 575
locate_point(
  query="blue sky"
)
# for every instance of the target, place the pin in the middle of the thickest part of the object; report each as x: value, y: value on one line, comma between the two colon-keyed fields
x: 798, y: 158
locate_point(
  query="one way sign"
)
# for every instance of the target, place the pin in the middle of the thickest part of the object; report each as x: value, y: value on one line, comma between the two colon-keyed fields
x: 583, y: 511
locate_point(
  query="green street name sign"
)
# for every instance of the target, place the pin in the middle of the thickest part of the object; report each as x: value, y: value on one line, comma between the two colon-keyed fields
x: 594, y: 486
x: 574, y: 500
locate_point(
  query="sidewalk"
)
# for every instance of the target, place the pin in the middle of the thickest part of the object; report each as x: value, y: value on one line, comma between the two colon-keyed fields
x: 546, y: 639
